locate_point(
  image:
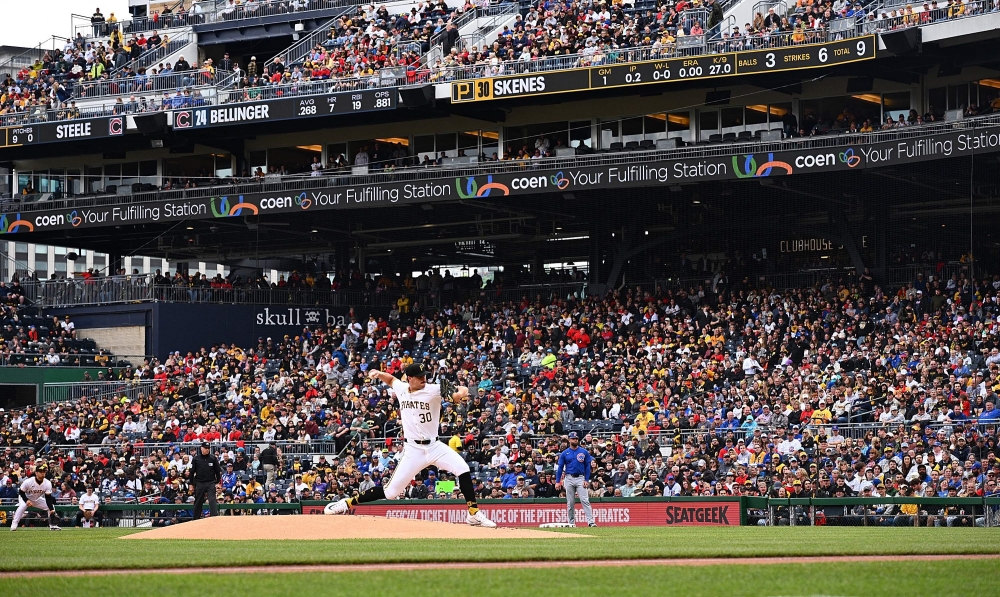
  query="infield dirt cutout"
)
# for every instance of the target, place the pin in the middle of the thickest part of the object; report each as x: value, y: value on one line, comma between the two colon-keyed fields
x: 299, y: 527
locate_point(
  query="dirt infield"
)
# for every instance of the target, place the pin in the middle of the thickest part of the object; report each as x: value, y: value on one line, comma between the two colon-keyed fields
x: 502, y: 565
x: 301, y: 527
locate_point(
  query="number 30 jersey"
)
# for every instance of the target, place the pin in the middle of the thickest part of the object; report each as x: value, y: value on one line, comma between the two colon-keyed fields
x: 420, y: 411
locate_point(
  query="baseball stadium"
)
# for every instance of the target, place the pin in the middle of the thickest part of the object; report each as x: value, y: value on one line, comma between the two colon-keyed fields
x: 458, y: 296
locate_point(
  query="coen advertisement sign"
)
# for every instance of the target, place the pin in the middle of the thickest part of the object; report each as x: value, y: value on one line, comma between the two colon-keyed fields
x: 515, y: 182
x: 515, y: 514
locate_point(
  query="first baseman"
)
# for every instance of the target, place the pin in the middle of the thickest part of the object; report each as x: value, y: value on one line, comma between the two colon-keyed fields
x: 573, y: 472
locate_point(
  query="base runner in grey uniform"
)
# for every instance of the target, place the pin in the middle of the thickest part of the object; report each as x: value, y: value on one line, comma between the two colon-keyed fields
x: 573, y: 473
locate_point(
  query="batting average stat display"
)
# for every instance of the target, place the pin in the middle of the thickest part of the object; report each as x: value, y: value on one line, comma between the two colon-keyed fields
x: 303, y: 106
x: 667, y: 70
x: 62, y: 130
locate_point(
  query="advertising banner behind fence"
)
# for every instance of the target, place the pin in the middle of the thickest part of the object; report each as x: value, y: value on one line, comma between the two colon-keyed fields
x: 522, y: 514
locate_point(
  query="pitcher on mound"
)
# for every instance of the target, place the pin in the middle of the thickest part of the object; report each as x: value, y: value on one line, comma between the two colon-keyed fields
x: 420, y: 411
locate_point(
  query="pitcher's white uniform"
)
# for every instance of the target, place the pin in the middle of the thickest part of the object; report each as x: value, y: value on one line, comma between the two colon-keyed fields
x: 36, y: 493
x: 420, y: 413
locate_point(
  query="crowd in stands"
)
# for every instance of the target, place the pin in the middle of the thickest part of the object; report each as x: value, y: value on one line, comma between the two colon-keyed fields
x: 721, y: 390
x: 364, y: 44
x: 589, y: 33
x: 309, y: 287
x: 908, y: 15
x: 35, y: 340
x: 178, y: 15
x: 248, y: 9
x: 50, y: 87
x: 359, y: 46
x: 594, y: 32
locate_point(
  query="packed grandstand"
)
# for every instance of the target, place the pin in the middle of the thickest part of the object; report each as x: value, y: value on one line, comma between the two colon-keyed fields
x: 129, y: 64
x: 760, y: 357
x: 845, y: 389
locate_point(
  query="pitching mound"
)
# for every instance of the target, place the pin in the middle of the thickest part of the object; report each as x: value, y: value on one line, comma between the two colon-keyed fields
x: 241, y: 528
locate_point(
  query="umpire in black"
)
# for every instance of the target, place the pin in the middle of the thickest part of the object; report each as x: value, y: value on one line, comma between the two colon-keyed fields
x: 207, y: 474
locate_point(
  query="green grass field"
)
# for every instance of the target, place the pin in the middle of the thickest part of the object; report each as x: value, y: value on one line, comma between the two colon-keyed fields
x: 892, y: 579
x: 31, y: 549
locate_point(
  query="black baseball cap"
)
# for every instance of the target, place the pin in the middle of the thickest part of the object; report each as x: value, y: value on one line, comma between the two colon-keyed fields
x: 206, y: 445
x: 416, y: 370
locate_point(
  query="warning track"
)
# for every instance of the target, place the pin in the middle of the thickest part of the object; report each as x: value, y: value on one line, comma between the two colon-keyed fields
x: 757, y: 561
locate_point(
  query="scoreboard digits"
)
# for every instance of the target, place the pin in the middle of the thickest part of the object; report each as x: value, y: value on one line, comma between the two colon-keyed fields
x: 658, y: 71
x: 472, y: 90
x: 24, y: 135
x: 349, y: 103
x: 796, y: 57
x: 16, y: 136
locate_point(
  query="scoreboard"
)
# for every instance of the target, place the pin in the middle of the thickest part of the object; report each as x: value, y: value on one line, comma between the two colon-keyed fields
x: 291, y: 108
x: 61, y: 130
x: 659, y: 71
x: 288, y: 108
x: 694, y: 68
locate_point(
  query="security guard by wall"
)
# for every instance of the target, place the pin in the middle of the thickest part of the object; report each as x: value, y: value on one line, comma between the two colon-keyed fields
x: 270, y: 461
x: 207, y: 474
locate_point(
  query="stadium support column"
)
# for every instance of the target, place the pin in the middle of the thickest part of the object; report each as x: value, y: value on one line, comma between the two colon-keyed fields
x: 361, y: 261
x: 600, y: 250
x: 880, y: 213
x: 627, y: 241
x: 342, y: 258
x: 842, y: 229
x: 114, y: 263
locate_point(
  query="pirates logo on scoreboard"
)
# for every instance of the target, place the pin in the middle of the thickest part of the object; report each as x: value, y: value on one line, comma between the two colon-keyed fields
x: 116, y: 126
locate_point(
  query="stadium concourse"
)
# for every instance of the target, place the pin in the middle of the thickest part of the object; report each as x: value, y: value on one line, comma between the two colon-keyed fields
x: 845, y: 389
